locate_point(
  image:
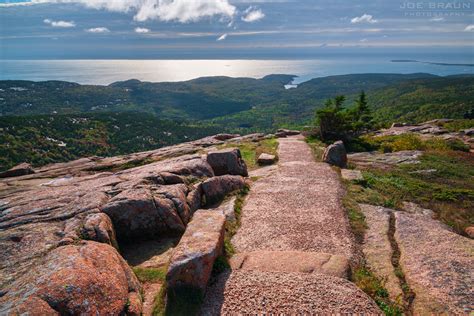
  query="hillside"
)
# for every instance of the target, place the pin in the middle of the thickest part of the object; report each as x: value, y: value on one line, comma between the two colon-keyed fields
x: 213, y: 97
x: 53, y: 121
x: 44, y: 139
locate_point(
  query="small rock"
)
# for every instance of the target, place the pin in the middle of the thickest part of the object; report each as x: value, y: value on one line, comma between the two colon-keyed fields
x: 266, y: 159
x: 227, y: 161
x: 470, y: 231
x: 352, y: 175
x: 335, y: 154
x: 22, y: 169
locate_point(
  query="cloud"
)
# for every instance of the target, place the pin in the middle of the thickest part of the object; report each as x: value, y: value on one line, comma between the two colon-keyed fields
x: 222, y: 37
x: 252, y: 14
x: 98, y: 30
x: 365, y: 18
x: 183, y: 11
x: 437, y: 19
x: 64, y: 24
x: 364, y: 40
x: 141, y: 30
x: 469, y: 28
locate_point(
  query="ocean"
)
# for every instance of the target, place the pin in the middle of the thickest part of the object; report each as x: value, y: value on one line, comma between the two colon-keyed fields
x: 104, y: 72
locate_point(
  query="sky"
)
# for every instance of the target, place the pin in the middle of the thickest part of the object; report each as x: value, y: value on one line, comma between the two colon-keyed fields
x: 145, y: 29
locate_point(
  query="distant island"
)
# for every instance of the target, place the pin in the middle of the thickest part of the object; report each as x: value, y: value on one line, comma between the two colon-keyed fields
x: 429, y: 62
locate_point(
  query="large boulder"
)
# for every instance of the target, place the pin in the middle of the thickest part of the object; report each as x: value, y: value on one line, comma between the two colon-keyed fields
x: 192, y: 260
x: 22, y: 169
x: 216, y: 188
x: 336, y: 154
x: 89, y: 278
x: 142, y: 214
x: 227, y: 161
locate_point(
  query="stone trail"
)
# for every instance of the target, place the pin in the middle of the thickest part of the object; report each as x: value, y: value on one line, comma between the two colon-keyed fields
x: 293, y: 214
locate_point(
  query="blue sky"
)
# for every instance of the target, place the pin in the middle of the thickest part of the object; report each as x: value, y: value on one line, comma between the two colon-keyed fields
x: 44, y: 29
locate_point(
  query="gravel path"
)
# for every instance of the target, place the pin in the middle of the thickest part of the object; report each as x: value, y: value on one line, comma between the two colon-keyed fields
x: 296, y: 207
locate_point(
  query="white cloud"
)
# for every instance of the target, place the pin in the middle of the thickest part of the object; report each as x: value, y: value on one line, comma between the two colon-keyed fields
x: 222, y: 37
x: 64, y: 24
x: 364, y: 40
x: 469, y: 28
x: 183, y: 11
x: 365, y: 18
x: 252, y: 14
x: 141, y: 30
x: 98, y: 30
x: 437, y: 19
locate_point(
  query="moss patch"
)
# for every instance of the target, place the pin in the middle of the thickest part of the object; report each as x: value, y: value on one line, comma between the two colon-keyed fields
x: 145, y: 275
x: 367, y: 281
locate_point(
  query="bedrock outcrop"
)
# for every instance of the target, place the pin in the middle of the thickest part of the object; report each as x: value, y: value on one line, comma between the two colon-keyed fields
x: 61, y: 228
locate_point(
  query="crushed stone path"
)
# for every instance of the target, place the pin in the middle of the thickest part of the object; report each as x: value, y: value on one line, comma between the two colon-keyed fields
x: 295, y: 208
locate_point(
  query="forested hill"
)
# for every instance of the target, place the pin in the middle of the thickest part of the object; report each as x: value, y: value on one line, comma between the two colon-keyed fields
x: 232, y: 99
x: 42, y: 122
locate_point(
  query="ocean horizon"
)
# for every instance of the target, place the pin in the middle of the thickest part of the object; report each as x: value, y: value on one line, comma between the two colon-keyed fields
x: 107, y: 71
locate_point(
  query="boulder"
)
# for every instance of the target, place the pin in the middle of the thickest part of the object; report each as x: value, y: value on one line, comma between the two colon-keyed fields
x: 98, y: 227
x: 227, y: 161
x: 266, y: 159
x: 193, y: 258
x: 22, y: 169
x: 140, y: 214
x: 335, y: 154
x: 280, y: 134
x: 89, y: 278
x: 216, y: 188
